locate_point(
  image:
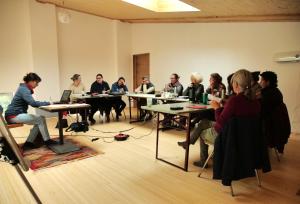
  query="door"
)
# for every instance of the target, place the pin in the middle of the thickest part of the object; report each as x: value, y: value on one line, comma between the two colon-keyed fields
x: 141, y: 67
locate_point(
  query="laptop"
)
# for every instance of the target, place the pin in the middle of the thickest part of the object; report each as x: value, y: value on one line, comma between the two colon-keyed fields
x: 64, y: 98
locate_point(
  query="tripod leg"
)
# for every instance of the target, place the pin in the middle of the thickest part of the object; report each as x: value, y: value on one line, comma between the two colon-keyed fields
x: 37, y: 199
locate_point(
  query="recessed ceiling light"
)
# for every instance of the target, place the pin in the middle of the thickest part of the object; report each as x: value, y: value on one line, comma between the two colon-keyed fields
x: 163, y: 5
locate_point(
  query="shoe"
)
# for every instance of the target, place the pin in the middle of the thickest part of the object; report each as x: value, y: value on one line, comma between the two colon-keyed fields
x: 51, y: 142
x: 200, y: 164
x: 92, y: 121
x: 28, y: 146
x: 182, y: 144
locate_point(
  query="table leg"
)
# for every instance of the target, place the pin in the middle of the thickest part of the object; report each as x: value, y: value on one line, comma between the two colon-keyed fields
x: 157, y: 135
x: 186, y: 161
x: 138, y: 113
x: 129, y: 99
x: 62, y: 147
x: 61, y: 136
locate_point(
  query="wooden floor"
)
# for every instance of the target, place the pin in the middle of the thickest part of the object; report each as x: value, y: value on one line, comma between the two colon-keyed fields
x: 129, y: 173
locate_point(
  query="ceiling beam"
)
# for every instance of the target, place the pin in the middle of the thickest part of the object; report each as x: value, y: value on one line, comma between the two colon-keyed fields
x: 216, y: 19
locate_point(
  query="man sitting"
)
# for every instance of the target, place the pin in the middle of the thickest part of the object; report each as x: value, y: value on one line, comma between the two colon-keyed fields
x: 119, y: 104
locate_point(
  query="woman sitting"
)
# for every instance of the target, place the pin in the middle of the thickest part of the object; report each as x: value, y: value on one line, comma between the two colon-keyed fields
x: 216, y: 87
x: 243, y: 104
x: 17, y: 111
x: 77, y: 87
x: 195, y: 90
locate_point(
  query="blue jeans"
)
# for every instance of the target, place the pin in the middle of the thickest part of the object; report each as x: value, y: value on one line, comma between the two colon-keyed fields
x: 38, y: 122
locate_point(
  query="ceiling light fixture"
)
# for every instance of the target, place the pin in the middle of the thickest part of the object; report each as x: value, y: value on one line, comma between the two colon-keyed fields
x: 163, y: 5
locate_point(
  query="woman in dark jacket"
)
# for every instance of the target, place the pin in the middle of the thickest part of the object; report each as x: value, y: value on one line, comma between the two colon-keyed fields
x: 195, y: 90
x: 243, y: 104
x: 274, y: 112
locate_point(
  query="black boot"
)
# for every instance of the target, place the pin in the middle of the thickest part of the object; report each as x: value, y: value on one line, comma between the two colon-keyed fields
x: 183, y: 144
x: 28, y: 146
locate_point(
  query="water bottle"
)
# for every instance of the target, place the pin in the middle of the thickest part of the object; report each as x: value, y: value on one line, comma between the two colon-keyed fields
x: 205, y: 98
x: 223, y: 94
x: 175, y: 92
x: 191, y: 94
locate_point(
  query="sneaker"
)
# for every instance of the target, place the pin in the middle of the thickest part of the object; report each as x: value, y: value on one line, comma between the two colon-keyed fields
x: 51, y: 142
x: 182, y: 144
x: 200, y: 164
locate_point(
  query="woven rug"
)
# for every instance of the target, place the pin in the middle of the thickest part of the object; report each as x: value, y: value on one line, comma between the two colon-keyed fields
x: 43, y: 157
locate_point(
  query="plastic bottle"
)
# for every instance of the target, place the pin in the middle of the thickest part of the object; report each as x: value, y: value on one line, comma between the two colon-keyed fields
x: 175, y: 91
x: 223, y: 94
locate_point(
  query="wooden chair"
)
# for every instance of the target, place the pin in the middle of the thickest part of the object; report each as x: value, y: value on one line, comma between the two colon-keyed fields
x: 250, y: 130
x: 15, y: 125
x: 211, y: 155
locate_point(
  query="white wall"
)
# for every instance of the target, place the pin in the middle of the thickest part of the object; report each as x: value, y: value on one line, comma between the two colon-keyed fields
x: 44, y: 49
x: 15, y: 41
x: 124, y: 56
x: 28, y: 44
x: 86, y: 46
x: 222, y: 48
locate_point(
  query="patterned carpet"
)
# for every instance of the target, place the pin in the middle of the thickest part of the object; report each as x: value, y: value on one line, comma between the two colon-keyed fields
x: 43, y: 157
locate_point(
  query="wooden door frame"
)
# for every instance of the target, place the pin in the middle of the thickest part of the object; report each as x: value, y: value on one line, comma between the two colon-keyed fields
x: 135, y: 68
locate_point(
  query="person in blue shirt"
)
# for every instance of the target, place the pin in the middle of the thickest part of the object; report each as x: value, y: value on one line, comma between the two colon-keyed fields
x: 119, y: 104
x: 17, y: 111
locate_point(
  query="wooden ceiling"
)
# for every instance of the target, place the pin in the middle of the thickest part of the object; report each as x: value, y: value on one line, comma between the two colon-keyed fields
x: 211, y: 10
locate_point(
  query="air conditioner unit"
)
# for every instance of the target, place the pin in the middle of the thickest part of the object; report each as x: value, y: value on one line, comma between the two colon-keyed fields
x: 293, y: 56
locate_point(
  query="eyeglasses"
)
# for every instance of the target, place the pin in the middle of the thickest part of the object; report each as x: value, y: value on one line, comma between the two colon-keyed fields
x: 98, y: 78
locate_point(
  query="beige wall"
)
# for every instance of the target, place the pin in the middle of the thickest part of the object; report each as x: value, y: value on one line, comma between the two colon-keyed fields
x: 86, y: 46
x: 28, y: 43
x: 223, y: 48
x: 15, y: 41
x: 124, y: 56
x: 44, y: 49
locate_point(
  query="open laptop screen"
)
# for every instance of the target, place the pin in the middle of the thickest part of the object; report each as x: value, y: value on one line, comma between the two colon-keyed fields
x: 65, y: 96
